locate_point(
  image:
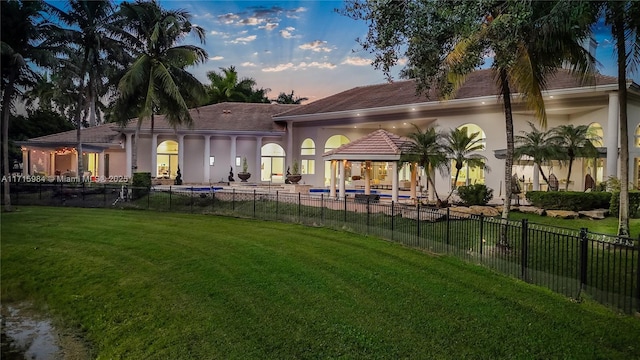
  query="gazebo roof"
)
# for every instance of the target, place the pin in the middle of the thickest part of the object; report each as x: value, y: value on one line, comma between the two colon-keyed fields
x: 378, y: 145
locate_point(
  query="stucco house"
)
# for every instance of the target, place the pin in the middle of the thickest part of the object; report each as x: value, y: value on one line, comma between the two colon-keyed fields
x: 272, y: 136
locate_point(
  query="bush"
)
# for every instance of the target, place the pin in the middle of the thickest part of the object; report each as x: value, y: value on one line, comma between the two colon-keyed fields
x: 569, y: 200
x: 477, y: 194
x: 634, y: 203
x: 141, y: 184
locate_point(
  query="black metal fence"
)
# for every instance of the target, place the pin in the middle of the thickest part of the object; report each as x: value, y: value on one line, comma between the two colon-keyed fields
x: 574, y: 263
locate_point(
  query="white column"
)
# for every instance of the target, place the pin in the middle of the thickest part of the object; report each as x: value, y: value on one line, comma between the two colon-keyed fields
x: 367, y: 178
x: 74, y: 163
x: 207, y: 153
x: 129, y: 154
x: 341, y: 180
x: 536, y: 178
x: 101, y: 165
x: 233, y: 152
x: 290, y: 150
x: 394, y: 181
x: 611, y: 139
x: 25, y: 162
x: 258, y: 168
x: 52, y: 162
x: 181, y: 155
x: 332, y: 179
x: 154, y: 155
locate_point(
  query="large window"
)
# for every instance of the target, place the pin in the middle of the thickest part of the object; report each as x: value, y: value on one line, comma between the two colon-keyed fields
x: 307, y: 151
x: 167, y: 160
x: 272, y: 163
x: 595, y: 129
x: 333, y: 142
x: 469, y: 175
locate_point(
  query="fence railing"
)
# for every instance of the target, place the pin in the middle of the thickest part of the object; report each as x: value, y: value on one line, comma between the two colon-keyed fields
x: 603, y: 267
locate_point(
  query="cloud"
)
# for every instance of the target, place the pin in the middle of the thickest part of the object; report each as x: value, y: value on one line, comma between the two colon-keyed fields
x: 303, y: 65
x: 317, y: 46
x: 251, y: 21
x: 215, y: 58
x: 278, y: 68
x: 269, y: 26
x: 248, y: 64
x: 228, y: 18
x: 244, y: 40
x: 293, y: 13
x: 286, y: 34
x: 357, y: 61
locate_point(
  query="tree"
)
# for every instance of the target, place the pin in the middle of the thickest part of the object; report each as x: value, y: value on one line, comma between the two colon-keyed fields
x: 446, y: 40
x: 540, y: 146
x: 426, y: 150
x: 157, y: 81
x: 43, y: 92
x: 290, y: 99
x: 624, y: 19
x: 575, y: 142
x: 461, y: 147
x: 86, y: 43
x: 23, y: 30
x: 226, y: 86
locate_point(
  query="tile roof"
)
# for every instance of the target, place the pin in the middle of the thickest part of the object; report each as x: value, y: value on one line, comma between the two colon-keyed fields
x: 478, y: 84
x: 228, y: 116
x: 102, y: 134
x: 379, y: 142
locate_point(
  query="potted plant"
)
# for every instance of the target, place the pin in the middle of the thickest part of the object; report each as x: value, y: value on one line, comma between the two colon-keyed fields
x: 295, y: 176
x: 244, y: 175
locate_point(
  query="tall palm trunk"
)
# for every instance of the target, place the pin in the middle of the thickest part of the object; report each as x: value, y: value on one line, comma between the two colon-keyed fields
x: 508, y: 162
x: 566, y: 186
x: 455, y: 181
x: 544, y: 177
x: 78, y: 118
x: 414, y: 183
x: 134, y: 148
x: 6, y: 101
x: 619, y: 34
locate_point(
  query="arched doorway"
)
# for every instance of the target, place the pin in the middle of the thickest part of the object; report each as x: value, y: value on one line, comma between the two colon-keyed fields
x: 333, y: 142
x: 470, y: 175
x: 272, y: 163
x: 167, y: 160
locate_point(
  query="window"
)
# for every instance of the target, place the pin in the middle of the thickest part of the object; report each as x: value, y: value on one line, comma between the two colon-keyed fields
x: 307, y: 166
x: 308, y: 147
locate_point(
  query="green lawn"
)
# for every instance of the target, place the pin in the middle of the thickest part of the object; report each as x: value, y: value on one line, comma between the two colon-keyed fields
x: 608, y: 225
x: 148, y: 285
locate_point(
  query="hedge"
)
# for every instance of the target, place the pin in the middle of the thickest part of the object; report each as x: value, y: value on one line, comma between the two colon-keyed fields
x: 569, y: 200
x: 634, y: 203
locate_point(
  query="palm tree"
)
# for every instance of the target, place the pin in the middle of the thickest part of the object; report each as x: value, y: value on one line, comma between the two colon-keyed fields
x: 540, y: 146
x: 226, y: 86
x: 90, y: 35
x: 157, y: 80
x: 425, y: 149
x: 575, y: 142
x: 461, y: 148
x: 23, y: 29
x: 624, y: 19
x: 43, y: 92
x: 290, y: 99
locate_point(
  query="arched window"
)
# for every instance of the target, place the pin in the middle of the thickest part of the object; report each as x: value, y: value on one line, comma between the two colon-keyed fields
x: 272, y: 163
x: 637, y: 136
x: 595, y: 129
x: 473, y: 128
x: 333, y: 142
x: 307, y: 163
x: 167, y: 159
x: 469, y: 175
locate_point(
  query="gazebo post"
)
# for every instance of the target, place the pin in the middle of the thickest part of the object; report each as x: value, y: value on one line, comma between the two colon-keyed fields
x: 394, y: 181
x: 332, y: 180
x: 342, y: 179
x: 367, y: 178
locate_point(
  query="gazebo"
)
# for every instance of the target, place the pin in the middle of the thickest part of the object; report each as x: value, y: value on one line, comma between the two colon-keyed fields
x: 380, y: 145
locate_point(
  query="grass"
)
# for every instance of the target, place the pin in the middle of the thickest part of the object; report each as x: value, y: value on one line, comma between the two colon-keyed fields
x: 608, y: 225
x: 148, y: 285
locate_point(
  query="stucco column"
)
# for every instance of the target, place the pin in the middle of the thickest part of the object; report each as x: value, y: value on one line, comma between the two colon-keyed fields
x: 25, y: 162
x: 207, y: 153
x: 367, y: 178
x: 154, y: 155
x: 332, y: 179
x: 394, y: 181
x: 290, y: 150
x: 74, y: 163
x: 232, y: 153
x: 258, y: 168
x: 181, y: 155
x: 101, y: 165
x: 341, y: 180
x: 129, y: 153
x: 536, y: 178
x: 52, y: 163
x: 611, y: 139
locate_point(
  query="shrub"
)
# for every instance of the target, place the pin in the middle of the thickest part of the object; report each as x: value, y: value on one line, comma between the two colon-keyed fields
x: 141, y: 184
x: 178, y: 179
x: 634, y: 203
x: 569, y: 200
x: 477, y: 194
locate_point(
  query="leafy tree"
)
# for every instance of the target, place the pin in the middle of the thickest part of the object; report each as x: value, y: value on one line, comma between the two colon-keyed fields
x: 290, y: 99
x: 624, y: 19
x: 461, y: 147
x: 540, y: 146
x: 227, y: 86
x: 575, y: 142
x: 157, y: 81
x: 23, y: 28
x: 446, y: 40
x: 426, y: 149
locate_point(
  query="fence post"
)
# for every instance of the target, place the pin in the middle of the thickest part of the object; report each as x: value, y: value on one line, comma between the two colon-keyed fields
x: 169, y: 197
x: 322, y: 207
x: 149, y: 198
x: 299, y: 208
x: 525, y: 249
x: 481, y: 232
x: 254, y: 203
x: 213, y: 201
x: 638, y: 275
x: 191, y: 200
x: 584, y: 242
x: 368, y: 212
x: 345, y: 208
x: 448, y: 227
x: 418, y: 221
x: 40, y: 191
x: 83, y: 204
x: 277, y: 205
x: 233, y: 200
x: 393, y: 217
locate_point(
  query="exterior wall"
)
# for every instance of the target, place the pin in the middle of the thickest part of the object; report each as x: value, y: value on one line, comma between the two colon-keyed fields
x: 144, y: 154
x: 117, y: 162
x: 221, y: 150
x: 633, y: 118
x: 193, y: 167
